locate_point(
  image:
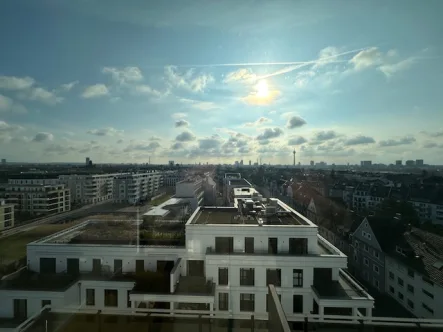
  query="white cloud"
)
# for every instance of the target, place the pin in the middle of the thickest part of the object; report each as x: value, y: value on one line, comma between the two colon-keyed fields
x: 296, y: 140
x: 94, y: 91
x: 390, y: 69
x: 366, y: 58
x: 295, y: 122
x: 181, y: 123
x: 359, y: 140
x: 400, y: 141
x: 16, y: 83
x: 189, y: 80
x: 43, y: 137
x: 178, y: 115
x: 185, y: 136
x: 147, y: 90
x: 68, y: 86
x: 200, y: 105
x: 109, y: 131
x: 260, y: 121
x: 124, y: 75
x: 42, y: 95
x: 241, y: 75
x: 9, y: 105
x: 270, y: 133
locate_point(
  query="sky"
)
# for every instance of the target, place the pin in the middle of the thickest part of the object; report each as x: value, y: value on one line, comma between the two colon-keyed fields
x: 220, y: 81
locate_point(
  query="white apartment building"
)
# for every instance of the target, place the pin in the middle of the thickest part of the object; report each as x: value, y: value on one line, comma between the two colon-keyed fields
x: 245, y: 193
x: 36, y: 181
x: 37, y: 199
x: 90, y: 188
x: 223, y: 264
x: 6, y: 215
x: 191, y: 189
x: 135, y: 187
x: 414, y: 274
x: 231, y: 181
x: 170, y: 178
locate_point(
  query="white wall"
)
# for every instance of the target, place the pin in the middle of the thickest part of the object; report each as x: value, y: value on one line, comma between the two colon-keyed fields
x: 34, y: 301
x: 400, y: 270
x: 99, y: 287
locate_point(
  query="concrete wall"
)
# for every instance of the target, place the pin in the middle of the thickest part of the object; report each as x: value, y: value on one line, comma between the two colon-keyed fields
x: 33, y: 298
x: 175, y: 274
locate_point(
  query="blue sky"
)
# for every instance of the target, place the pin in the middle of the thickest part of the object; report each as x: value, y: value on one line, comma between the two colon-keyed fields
x: 219, y: 81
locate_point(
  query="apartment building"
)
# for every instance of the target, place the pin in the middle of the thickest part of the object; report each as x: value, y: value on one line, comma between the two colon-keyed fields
x: 428, y: 203
x: 370, y: 240
x: 414, y: 273
x: 369, y: 196
x: 136, y: 187
x: 6, y: 215
x: 222, y: 261
x: 192, y: 190
x: 89, y: 188
x: 170, y: 178
x: 231, y: 181
x: 37, y: 199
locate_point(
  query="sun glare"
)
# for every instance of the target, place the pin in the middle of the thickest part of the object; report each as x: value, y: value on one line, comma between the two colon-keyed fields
x: 262, y: 89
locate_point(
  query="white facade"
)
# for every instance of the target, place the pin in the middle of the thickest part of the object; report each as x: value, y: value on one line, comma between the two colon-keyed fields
x: 38, y: 199
x: 89, y: 189
x: 136, y: 187
x: 294, y: 271
x: 416, y: 293
x: 429, y: 211
x: 191, y: 190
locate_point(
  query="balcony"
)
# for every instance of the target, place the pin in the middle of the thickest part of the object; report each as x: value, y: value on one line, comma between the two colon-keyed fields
x: 344, y: 288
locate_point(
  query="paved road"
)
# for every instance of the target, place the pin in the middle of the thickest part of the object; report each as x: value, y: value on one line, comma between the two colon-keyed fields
x: 103, y: 207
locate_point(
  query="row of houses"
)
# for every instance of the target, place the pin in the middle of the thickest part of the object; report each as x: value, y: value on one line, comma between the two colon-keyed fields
x: 385, y: 251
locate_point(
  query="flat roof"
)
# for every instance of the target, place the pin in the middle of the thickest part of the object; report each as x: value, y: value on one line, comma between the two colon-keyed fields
x: 232, y: 216
x: 239, y: 191
x: 238, y: 182
x: 161, y: 210
x: 118, y: 233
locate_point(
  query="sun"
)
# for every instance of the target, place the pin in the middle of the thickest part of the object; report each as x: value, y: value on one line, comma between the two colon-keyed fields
x: 262, y: 89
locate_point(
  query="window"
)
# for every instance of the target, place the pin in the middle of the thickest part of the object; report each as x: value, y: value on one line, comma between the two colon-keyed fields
x: 297, y: 278
x: 249, y: 245
x: 428, y: 294
x: 410, y: 304
x: 118, y: 266
x: 247, y: 277
x: 376, y: 254
x: 411, y: 273
x: 247, y: 302
x: 391, y: 289
x: 366, y: 261
x: 376, y: 269
x: 46, y: 302
x: 400, y: 296
x: 366, y: 247
x: 400, y: 281
x: 111, y: 298
x: 273, y: 277
x: 96, y: 266
x: 427, y: 308
x: 224, y: 245
x: 298, y: 246
x: 139, y: 266
x: 356, y: 243
x: 128, y: 301
x: 223, y: 276
x: 297, y: 304
x: 410, y: 289
x: 376, y: 283
x: 391, y: 275
x: 223, y: 301
x: 90, y: 296
x: 355, y: 257
x: 272, y: 245
x: 426, y: 280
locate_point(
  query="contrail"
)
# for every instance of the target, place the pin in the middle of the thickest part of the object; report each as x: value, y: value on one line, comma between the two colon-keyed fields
x: 280, y: 63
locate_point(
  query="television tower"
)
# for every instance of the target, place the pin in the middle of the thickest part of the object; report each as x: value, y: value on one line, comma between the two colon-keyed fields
x: 293, y: 152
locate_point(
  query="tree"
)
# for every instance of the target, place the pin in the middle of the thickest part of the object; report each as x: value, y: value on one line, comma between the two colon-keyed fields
x: 391, y: 207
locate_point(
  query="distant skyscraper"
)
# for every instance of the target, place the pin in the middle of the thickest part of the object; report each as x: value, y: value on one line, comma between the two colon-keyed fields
x: 312, y: 162
x: 419, y: 162
x: 410, y: 163
x: 241, y: 162
x: 171, y: 162
x: 87, y: 161
x: 3, y: 161
x: 366, y: 163
x: 398, y: 163
x: 250, y: 162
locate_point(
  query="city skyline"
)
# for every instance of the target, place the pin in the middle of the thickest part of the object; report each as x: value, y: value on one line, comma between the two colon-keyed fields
x: 219, y: 82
